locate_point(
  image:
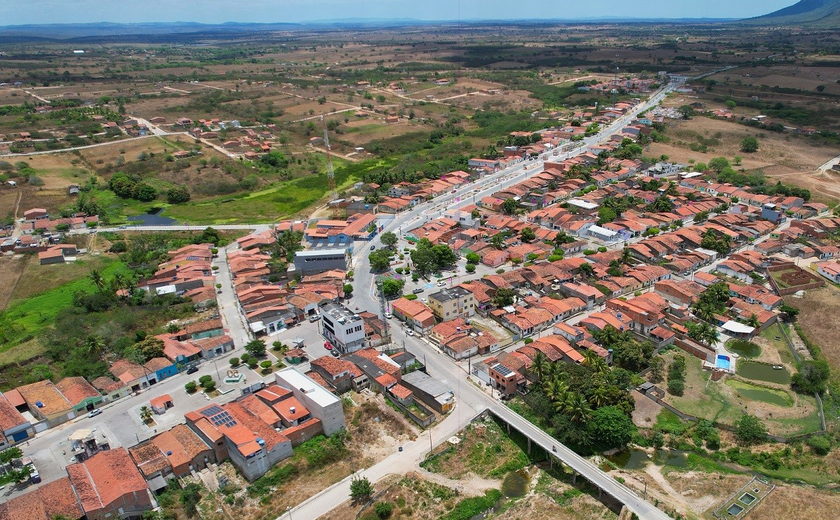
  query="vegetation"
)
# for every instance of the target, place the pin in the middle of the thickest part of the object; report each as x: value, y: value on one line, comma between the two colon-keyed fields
x: 360, y: 489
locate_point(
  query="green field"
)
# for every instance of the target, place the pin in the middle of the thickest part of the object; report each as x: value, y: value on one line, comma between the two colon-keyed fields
x: 24, y: 318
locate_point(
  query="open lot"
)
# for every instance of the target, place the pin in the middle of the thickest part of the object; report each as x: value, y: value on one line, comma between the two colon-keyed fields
x: 819, y: 318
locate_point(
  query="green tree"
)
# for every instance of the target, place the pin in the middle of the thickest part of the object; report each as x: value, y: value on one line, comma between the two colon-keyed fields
x: 586, y: 269
x: 380, y: 259
x: 348, y: 290
x: 144, y: 192
x: 498, y: 241
x: 718, y: 164
x: 504, y: 297
x: 749, y: 144
x: 657, y: 370
x: 606, y: 214
x: 10, y: 454
x: 470, y: 268
x: 576, y: 407
x: 360, y: 489
x: 190, y: 497
x: 177, y: 195
x: 611, y: 427
x: 750, y: 430
x: 388, y: 239
x: 509, y: 206
x: 392, y: 287
x: 527, y: 234
x: 255, y: 348
x: 383, y: 510
x: 145, y: 414
x: 812, y: 377
x: 473, y: 258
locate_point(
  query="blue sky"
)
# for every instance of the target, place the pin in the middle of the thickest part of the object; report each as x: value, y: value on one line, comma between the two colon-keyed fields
x: 218, y: 11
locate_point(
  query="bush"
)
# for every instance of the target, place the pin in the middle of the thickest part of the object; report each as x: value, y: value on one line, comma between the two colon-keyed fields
x: 470, y: 268
x: 360, y: 489
x: 265, y: 364
x: 203, y: 380
x: 191, y: 387
x: 383, y: 510
x: 528, y: 341
x: 209, y: 386
x: 750, y: 430
x: 234, y: 361
x: 820, y: 444
x: 252, y: 363
x: 676, y: 386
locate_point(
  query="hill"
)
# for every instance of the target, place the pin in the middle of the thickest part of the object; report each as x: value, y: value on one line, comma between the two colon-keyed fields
x: 811, y: 13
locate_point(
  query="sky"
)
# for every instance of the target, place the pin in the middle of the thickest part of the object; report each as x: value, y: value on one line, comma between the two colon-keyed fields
x: 220, y: 11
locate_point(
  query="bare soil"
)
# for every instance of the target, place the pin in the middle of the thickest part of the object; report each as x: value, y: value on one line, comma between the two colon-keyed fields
x: 819, y: 318
x: 11, y: 271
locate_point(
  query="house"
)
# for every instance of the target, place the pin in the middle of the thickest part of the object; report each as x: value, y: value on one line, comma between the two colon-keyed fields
x: 172, y: 454
x: 503, y: 379
x: 14, y: 427
x: 35, y: 214
x: 110, y: 486
x: 340, y: 374
x: 81, y: 395
x: 47, y: 403
x: 830, y: 270
x: 343, y: 328
x: 161, y: 403
x: 414, y: 313
x: 429, y: 391
x: 58, y: 254
x: 49, y: 501
x: 320, y: 402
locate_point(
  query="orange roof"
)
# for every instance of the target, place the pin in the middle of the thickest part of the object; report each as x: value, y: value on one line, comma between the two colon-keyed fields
x: 386, y: 380
x: 76, y: 389
x: 160, y: 401
x: 45, y: 502
x: 180, y: 445
x: 400, y: 392
x: 45, y: 393
x: 284, y: 408
x: 9, y: 416
x: 104, y: 479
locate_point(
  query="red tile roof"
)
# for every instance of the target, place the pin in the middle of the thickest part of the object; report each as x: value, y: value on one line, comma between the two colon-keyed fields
x: 45, y: 502
x: 104, y: 478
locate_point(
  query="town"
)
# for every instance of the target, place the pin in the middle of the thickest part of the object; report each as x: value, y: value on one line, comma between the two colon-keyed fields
x: 608, y: 316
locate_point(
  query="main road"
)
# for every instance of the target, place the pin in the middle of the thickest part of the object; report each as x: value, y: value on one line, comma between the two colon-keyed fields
x: 472, y: 399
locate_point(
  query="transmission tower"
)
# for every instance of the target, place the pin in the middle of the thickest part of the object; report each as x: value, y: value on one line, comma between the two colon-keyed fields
x: 334, y: 209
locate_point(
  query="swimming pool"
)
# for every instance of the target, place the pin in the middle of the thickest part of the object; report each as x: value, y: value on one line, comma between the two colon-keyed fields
x: 723, y: 362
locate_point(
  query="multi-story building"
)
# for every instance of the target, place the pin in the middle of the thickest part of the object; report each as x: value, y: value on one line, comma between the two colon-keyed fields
x: 451, y: 303
x: 343, y: 328
x: 320, y: 260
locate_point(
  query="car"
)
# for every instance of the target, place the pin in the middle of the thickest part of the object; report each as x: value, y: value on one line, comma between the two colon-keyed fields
x: 454, y: 191
x: 314, y: 318
x: 94, y: 412
x: 372, y: 247
x: 335, y: 353
x: 327, y: 345
x: 192, y: 370
x: 424, y: 300
x: 418, y: 290
x: 388, y: 315
x: 441, y: 283
x: 409, y: 332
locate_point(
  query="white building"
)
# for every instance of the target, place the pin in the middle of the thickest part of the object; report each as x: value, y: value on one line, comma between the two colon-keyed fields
x: 321, y: 403
x: 342, y: 327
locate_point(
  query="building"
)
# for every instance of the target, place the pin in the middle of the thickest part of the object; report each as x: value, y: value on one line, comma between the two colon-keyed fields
x: 110, y: 486
x: 452, y: 303
x: 320, y: 260
x: 45, y: 502
x: 320, y: 402
x: 429, y: 391
x: 504, y: 379
x: 343, y: 328
x: 414, y: 313
x: 14, y: 427
x: 172, y: 454
x: 47, y: 403
x: 79, y: 393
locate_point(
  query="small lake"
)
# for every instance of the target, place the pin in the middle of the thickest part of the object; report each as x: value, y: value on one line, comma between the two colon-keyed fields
x: 629, y: 459
x: 765, y: 395
x: 744, y: 348
x: 152, y: 218
x: 516, y: 484
x: 763, y: 372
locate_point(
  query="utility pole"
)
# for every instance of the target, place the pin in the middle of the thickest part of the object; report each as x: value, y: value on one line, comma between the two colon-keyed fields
x: 330, y: 174
x: 382, y: 308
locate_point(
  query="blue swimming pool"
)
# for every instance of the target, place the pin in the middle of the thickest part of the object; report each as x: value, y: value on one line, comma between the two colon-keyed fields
x: 723, y: 362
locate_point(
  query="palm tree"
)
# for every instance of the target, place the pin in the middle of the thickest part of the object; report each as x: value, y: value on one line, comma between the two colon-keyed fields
x: 601, y: 396
x: 497, y: 240
x: 595, y: 362
x: 118, y: 281
x: 93, y: 346
x: 576, y: 407
x: 145, y: 414
x: 710, y: 335
x: 752, y: 321
x: 539, y: 365
x: 556, y: 390
x: 626, y: 255
x: 96, y: 278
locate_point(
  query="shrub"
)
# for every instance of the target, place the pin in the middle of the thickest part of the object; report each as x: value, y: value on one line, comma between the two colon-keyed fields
x: 252, y: 363
x: 470, y: 268
x: 676, y: 386
x: 265, y: 364
x: 750, y: 430
x: 234, y: 361
x: 203, y: 380
x: 383, y: 510
x: 209, y: 386
x: 528, y: 341
x: 191, y: 387
x: 820, y: 444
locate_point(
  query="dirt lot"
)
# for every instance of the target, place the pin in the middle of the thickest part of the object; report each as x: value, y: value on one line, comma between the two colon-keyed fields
x: 646, y: 411
x: 11, y: 270
x: 786, y: 502
x: 819, y: 319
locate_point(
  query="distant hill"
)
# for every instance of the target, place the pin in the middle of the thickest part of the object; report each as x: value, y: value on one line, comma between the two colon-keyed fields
x: 105, y: 30
x: 811, y: 13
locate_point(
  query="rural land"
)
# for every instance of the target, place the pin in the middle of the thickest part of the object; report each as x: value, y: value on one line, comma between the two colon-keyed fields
x: 401, y: 270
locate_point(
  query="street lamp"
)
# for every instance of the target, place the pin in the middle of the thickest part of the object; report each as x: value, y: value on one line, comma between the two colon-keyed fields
x: 289, y: 510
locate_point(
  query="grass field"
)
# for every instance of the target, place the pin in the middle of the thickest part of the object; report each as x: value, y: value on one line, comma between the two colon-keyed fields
x: 819, y: 318
x: 23, y: 318
x: 784, y: 412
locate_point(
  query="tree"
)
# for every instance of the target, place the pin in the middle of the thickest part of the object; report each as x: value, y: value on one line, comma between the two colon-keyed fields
x: 527, y: 234
x: 509, y: 206
x: 444, y: 256
x: 383, y: 510
x: 576, y: 407
x: 191, y: 387
x: 177, y: 195
x: 380, y: 259
x: 388, y: 239
x: 676, y: 386
x: 750, y: 430
x: 145, y: 414
x: 539, y: 365
x: 144, y: 192
x: 392, y: 287
x: 789, y: 311
x: 150, y: 348
x: 360, y: 489
x: 348, y: 290
x: 563, y: 238
x: 504, y: 297
x: 470, y: 268
x: 730, y: 104
x: 97, y: 279
x: 497, y: 241
x: 287, y: 243
x: 473, y: 258
x: 8, y: 455
x: 749, y: 144
x: 812, y: 377
x: 234, y: 362
x: 657, y: 369
x: 718, y: 164
x: 190, y: 497
x: 586, y: 269
x: 256, y: 348
x: 611, y: 427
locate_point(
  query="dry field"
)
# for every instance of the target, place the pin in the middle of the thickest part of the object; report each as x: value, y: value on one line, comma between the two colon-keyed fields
x: 11, y: 271
x: 800, y: 77
x: 788, y: 502
x: 819, y: 318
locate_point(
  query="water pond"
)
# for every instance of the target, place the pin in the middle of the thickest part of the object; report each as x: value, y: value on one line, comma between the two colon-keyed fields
x: 763, y: 372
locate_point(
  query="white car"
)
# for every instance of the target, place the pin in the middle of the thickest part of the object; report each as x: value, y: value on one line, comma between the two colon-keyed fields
x: 409, y: 332
x: 94, y: 412
x: 441, y: 283
x: 388, y: 315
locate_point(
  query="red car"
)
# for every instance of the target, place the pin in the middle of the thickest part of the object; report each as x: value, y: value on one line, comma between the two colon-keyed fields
x: 327, y: 345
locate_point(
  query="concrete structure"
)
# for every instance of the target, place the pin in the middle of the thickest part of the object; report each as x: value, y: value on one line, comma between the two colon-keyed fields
x: 452, y: 303
x: 321, y: 403
x: 343, y: 328
x: 430, y: 391
x: 320, y: 260
x: 13, y: 425
x: 110, y: 486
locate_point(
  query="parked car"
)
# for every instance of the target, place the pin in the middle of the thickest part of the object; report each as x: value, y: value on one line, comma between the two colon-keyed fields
x: 441, y: 283
x: 335, y: 353
x: 388, y: 315
x: 94, y: 412
x: 327, y: 345
x: 418, y: 290
x: 314, y: 318
x: 192, y: 370
x: 409, y: 332
x: 372, y: 247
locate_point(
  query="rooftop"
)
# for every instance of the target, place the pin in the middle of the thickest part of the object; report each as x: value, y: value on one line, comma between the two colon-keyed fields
x: 339, y: 312
x: 310, y: 388
x: 448, y: 294
x: 104, y: 478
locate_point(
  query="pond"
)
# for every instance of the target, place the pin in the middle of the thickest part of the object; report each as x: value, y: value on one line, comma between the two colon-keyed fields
x: 152, y: 218
x: 743, y: 348
x: 629, y: 459
x: 763, y: 372
x: 516, y: 483
x: 758, y: 393
x: 673, y: 458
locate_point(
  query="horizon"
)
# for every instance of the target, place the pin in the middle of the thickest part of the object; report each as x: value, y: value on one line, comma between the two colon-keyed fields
x: 219, y: 12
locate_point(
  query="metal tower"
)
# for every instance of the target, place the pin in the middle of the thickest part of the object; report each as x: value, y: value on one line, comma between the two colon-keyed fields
x: 334, y: 209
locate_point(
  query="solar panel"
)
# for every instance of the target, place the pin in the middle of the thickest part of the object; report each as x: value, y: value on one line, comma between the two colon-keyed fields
x: 505, y: 371
x: 210, y: 411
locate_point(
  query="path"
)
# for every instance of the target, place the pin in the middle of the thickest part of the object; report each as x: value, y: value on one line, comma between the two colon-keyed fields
x: 471, y: 484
